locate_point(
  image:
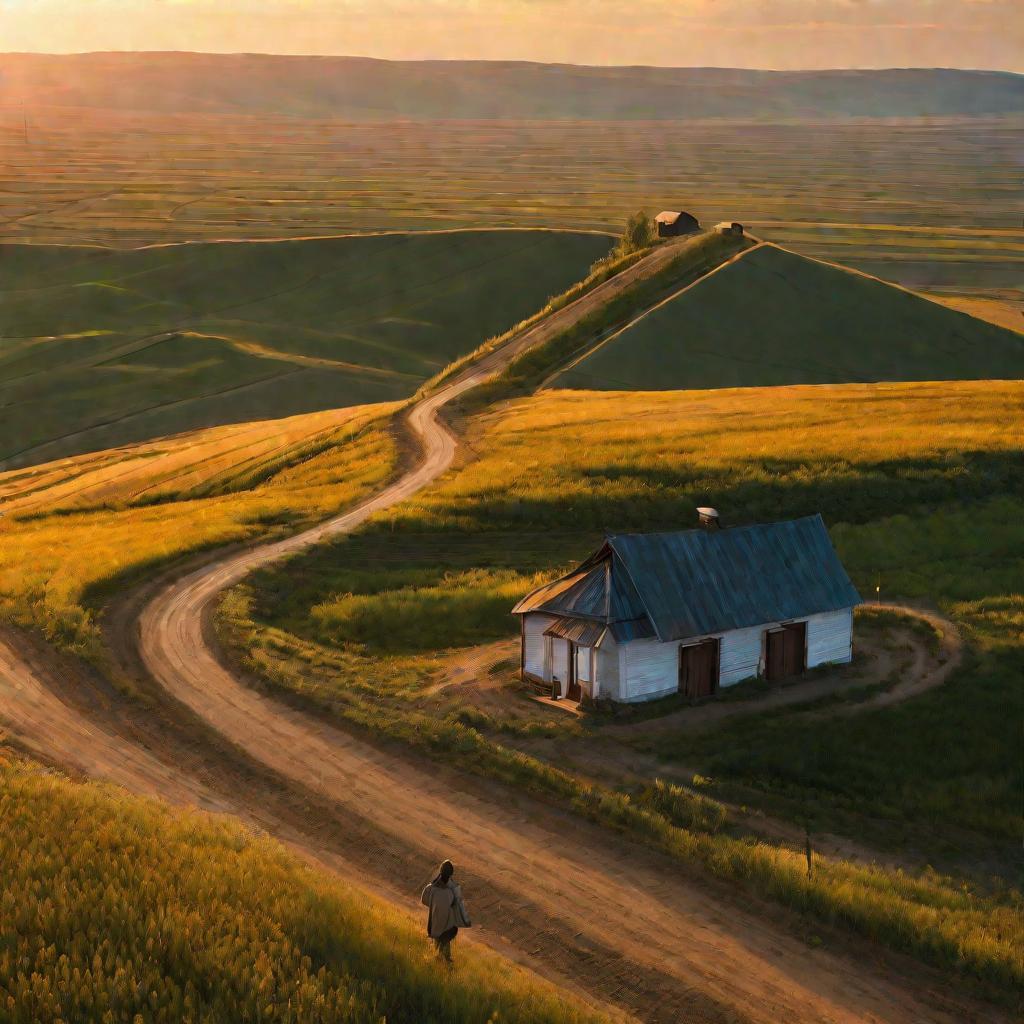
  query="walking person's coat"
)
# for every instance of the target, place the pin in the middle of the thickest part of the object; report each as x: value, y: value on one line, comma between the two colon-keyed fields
x: 447, y: 910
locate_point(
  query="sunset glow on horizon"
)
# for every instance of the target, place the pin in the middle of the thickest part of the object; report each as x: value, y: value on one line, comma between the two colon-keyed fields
x: 783, y: 34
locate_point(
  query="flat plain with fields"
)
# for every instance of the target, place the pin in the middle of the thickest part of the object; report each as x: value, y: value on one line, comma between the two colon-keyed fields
x: 927, y: 203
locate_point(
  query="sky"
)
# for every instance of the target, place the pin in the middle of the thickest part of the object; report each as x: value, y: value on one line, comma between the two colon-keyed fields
x: 782, y: 34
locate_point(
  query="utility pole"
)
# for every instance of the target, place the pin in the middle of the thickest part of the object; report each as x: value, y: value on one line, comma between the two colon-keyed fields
x: 24, y: 121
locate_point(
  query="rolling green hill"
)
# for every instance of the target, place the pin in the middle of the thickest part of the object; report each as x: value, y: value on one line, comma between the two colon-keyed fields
x: 773, y: 317
x: 363, y: 88
x: 99, y: 347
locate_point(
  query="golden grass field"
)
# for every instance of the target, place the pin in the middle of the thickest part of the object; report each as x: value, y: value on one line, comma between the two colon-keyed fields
x: 125, y: 910
x: 74, y: 529
x: 781, y: 450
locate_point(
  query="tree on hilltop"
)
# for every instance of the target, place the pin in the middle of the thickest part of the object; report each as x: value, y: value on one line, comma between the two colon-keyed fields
x: 639, y: 233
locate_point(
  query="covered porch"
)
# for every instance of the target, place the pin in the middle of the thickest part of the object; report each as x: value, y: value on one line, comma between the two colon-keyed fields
x: 566, y: 657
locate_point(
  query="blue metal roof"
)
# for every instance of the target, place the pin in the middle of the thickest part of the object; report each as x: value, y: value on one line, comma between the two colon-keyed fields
x: 699, y: 582
x: 709, y: 581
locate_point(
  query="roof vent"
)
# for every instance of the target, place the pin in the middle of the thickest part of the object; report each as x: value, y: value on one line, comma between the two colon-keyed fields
x: 709, y: 518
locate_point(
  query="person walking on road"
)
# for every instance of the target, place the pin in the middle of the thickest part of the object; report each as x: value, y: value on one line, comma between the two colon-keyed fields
x: 447, y: 912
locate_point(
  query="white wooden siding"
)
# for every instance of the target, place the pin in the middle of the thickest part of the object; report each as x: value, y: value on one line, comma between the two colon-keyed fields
x: 606, y: 685
x: 830, y: 638
x: 583, y: 673
x: 585, y: 657
x: 533, y: 644
x: 560, y: 662
x: 648, y: 669
x: 740, y: 655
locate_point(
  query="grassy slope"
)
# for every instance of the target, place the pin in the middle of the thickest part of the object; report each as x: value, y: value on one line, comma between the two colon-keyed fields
x: 536, y: 498
x: 688, y: 260
x: 117, y: 908
x: 774, y: 317
x: 98, y: 348
x: 76, y: 529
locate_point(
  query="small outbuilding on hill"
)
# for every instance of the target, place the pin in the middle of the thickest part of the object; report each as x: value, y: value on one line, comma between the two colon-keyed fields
x: 648, y: 615
x: 671, y: 223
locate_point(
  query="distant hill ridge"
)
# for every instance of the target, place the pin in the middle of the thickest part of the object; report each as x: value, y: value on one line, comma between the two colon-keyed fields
x: 360, y: 88
x: 773, y: 317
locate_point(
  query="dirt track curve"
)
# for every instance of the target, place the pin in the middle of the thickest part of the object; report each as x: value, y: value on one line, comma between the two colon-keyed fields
x: 582, y: 906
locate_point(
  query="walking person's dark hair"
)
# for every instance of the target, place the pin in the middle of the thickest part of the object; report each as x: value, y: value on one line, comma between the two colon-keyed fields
x: 446, y: 910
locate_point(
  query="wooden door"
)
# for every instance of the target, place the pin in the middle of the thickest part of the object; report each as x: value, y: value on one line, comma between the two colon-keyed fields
x: 796, y: 648
x: 575, y: 691
x: 774, y: 654
x: 786, y: 651
x: 698, y: 669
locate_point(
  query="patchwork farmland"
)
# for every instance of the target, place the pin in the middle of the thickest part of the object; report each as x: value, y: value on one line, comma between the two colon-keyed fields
x: 930, y: 204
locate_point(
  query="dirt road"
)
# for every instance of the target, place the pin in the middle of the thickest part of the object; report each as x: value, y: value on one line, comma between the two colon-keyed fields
x: 592, y: 910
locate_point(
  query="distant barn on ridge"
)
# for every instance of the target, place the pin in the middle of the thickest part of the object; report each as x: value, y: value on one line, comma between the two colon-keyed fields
x: 675, y: 222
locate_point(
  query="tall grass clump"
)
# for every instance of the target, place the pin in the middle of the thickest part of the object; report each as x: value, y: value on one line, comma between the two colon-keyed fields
x: 116, y: 909
x: 682, y: 807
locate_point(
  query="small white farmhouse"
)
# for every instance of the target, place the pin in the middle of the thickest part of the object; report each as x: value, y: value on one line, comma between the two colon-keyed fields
x: 648, y: 615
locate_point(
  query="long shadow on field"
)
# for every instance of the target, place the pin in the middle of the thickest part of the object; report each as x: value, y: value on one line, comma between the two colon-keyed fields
x: 618, y: 497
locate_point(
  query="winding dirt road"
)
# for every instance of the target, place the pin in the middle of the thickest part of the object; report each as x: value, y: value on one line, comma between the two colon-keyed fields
x: 589, y: 909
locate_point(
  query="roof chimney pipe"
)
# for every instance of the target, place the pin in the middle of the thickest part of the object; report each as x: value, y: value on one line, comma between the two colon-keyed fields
x: 709, y: 518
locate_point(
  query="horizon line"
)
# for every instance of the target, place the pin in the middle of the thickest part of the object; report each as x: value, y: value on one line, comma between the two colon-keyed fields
x: 503, y: 60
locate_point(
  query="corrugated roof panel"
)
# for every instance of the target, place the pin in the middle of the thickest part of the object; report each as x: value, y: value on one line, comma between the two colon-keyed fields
x: 600, y: 589
x: 634, y: 629
x: 584, y: 632
x: 579, y: 593
x: 625, y: 603
x: 698, y: 582
x: 549, y: 592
